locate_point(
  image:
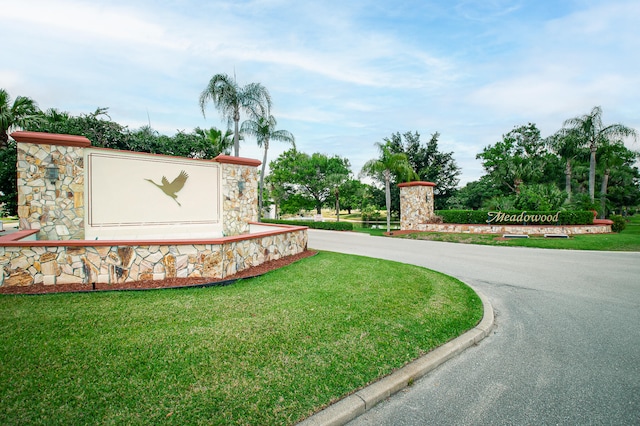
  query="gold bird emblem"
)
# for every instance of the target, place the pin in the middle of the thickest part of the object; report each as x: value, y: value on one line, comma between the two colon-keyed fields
x: 171, y: 189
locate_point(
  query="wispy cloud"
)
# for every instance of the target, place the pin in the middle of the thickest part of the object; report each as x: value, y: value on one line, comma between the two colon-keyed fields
x: 343, y: 75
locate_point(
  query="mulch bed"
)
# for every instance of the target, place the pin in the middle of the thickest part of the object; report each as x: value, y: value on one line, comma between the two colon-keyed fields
x: 166, y: 283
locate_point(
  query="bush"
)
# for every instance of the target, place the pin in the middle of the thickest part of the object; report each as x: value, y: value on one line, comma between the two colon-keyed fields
x: 335, y: 226
x: 545, y: 197
x: 619, y: 223
x: 370, y: 214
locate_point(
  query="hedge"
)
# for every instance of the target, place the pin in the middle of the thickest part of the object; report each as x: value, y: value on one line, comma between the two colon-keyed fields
x: 335, y: 226
x: 576, y: 217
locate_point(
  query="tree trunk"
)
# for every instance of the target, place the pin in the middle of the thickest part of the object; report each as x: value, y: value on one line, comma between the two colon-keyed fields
x: 387, y: 195
x: 337, y: 205
x: 567, y: 182
x: 4, y: 139
x: 592, y: 172
x: 264, y: 165
x: 603, y: 193
x: 236, y: 134
x: 516, y: 184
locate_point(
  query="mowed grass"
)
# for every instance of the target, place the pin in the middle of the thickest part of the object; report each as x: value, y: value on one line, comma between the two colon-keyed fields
x: 264, y: 351
x: 627, y: 240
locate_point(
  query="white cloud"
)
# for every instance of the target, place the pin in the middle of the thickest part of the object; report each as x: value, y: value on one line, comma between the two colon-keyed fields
x: 342, y: 74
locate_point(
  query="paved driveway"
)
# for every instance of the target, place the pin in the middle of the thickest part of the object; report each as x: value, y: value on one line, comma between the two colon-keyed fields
x: 566, y: 349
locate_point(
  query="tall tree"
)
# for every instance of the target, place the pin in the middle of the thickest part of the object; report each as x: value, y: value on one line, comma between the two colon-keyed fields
x: 19, y: 113
x: 567, y: 144
x: 612, y: 156
x: 388, y: 164
x: 429, y: 163
x: 521, y: 157
x: 594, y: 134
x: 298, y: 175
x: 263, y: 128
x: 230, y: 98
x: 353, y: 195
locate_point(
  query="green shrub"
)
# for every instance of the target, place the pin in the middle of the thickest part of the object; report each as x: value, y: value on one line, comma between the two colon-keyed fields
x: 619, y: 223
x: 370, y: 214
x: 335, y: 226
x: 543, y: 197
x: 576, y: 217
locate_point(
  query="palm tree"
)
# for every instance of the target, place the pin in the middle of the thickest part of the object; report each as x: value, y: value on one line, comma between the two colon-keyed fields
x: 566, y: 143
x: 612, y: 156
x: 221, y: 142
x: 594, y: 134
x: 389, y: 163
x: 264, y: 130
x: 21, y: 113
x: 228, y: 97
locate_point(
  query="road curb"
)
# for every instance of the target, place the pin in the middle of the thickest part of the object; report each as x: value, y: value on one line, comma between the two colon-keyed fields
x: 363, y: 400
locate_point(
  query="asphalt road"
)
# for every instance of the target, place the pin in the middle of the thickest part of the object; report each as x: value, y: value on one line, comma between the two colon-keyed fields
x: 566, y: 348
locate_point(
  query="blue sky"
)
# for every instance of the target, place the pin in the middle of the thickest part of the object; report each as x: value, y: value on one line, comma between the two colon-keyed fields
x: 342, y: 74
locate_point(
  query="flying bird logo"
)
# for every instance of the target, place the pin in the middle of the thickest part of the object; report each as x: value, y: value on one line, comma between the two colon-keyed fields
x: 171, y: 189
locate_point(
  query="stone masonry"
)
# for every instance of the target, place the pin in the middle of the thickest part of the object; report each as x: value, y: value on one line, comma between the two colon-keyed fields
x: 417, y: 214
x: 89, y: 262
x: 416, y: 204
x: 240, y: 193
x: 50, y: 248
x: 55, y: 209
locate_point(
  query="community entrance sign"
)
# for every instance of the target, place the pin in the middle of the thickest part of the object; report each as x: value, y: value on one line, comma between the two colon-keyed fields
x: 523, y: 217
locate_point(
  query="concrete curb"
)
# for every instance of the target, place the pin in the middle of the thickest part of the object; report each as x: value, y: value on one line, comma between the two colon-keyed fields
x: 363, y: 400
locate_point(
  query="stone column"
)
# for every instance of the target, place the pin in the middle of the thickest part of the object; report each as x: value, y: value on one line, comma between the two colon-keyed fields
x: 239, y: 193
x: 416, y: 204
x: 54, y: 206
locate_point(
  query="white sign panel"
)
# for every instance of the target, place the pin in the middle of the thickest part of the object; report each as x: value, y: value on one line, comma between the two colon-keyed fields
x: 142, y: 190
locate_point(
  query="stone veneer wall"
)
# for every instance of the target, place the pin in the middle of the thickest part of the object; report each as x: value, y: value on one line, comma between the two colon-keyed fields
x: 24, y: 263
x: 417, y: 208
x: 416, y: 204
x: 60, y: 255
x: 56, y: 209
x: 240, y: 193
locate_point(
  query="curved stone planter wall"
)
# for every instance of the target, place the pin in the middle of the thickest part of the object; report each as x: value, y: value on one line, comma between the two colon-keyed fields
x: 50, y: 247
x: 29, y: 262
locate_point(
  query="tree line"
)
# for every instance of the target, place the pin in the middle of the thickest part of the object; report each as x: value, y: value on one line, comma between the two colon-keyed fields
x: 526, y: 171
x: 230, y: 98
x: 522, y: 171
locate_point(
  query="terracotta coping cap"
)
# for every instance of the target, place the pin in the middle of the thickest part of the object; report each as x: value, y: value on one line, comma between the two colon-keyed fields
x: 14, y: 239
x: 50, y: 139
x: 228, y: 159
x: 417, y: 183
x: 602, y: 222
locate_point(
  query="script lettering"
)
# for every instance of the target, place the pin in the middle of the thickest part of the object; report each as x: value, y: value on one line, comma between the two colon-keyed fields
x: 523, y: 217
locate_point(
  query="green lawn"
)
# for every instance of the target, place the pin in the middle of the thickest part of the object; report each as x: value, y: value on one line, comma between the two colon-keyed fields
x: 627, y: 240
x: 264, y: 351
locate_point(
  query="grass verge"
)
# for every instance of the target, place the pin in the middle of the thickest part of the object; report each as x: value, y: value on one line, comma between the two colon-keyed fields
x: 269, y: 350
